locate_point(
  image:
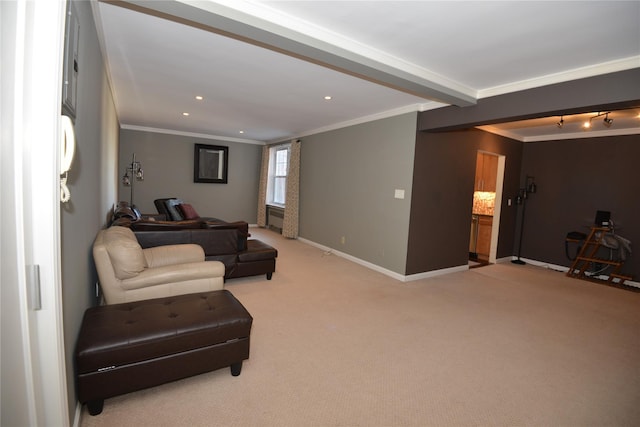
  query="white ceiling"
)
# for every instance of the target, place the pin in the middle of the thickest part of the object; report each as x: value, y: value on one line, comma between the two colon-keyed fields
x: 412, y: 55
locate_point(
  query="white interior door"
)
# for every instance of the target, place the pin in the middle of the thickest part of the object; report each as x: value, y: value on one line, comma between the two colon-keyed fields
x: 34, y: 389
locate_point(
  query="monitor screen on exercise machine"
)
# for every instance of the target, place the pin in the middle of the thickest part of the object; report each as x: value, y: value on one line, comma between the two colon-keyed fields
x: 602, y: 218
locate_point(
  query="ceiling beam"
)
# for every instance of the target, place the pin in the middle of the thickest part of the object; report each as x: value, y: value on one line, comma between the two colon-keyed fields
x: 613, y: 91
x: 240, y: 25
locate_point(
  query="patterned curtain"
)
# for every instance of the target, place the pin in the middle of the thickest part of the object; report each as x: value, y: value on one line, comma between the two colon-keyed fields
x: 290, y: 221
x: 262, y: 188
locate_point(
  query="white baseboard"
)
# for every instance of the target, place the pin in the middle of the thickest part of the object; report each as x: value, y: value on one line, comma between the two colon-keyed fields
x: 359, y: 261
x: 76, y: 417
x: 433, y: 273
x: 564, y: 269
x: 387, y: 272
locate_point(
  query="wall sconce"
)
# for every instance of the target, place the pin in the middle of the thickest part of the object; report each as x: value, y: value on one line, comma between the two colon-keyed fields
x: 137, y: 174
x: 530, y: 187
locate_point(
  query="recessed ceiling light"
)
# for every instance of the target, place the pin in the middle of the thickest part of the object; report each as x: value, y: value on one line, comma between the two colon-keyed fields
x: 328, y: 98
x: 199, y: 97
x: 185, y: 114
x: 241, y: 131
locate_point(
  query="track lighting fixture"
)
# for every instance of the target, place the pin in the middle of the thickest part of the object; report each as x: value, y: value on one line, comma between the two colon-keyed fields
x: 607, y: 121
x: 560, y: 123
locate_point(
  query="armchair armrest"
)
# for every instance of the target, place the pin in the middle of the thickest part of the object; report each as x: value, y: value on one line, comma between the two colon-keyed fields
x: 160, y: 256
x: 175, y: 274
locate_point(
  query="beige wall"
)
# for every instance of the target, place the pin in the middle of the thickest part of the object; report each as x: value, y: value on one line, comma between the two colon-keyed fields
x: 167, y: 161
x: 348, y: 179
x: 92, y: 182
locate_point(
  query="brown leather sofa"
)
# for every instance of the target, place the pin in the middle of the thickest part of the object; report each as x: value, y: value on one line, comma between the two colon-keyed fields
x: 226, y: 243
x: 223, y: 241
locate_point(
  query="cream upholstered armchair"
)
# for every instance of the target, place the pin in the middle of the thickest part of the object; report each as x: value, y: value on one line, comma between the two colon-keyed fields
x: 129, y: 273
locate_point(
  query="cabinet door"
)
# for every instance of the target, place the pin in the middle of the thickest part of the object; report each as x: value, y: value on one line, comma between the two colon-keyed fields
x: 489, y: 172
x: 484, y: 236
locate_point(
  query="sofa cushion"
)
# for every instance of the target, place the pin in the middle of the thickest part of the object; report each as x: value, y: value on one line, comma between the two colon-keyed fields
x: 125, y: 252
x: 219, y: 242
x: 188, y: 212
x: 241, y: 227
x: 150, y: 239
x: 257, y: 251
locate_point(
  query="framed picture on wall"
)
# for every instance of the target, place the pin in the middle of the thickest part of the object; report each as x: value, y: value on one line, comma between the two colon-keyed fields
x: 210, y: 163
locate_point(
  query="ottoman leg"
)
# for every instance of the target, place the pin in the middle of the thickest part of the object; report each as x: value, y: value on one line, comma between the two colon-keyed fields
x: 95, y: 407
x: 269, y: 276
x: 236, y: 368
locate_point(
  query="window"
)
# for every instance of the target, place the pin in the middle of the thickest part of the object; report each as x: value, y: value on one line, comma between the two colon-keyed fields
x: 278, y: 167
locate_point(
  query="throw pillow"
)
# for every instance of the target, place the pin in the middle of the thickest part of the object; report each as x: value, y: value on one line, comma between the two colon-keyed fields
x: 173, y: 210
x: 188, y: 212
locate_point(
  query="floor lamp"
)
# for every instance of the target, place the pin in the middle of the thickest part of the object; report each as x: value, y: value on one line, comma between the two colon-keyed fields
x: 137, y: 174
x: 523, y: 194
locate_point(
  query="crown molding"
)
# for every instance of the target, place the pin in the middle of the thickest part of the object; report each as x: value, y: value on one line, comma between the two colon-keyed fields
x: 191, y: 134
x: 365, y: 119
x: 575, y: 74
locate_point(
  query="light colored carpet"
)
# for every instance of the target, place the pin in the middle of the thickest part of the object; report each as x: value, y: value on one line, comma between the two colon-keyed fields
x: 336, y: 344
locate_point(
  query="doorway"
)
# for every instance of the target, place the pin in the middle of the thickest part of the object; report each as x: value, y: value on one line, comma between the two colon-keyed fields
x: 485, y: 214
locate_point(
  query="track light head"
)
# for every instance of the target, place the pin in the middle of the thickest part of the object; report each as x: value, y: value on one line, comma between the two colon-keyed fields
x: 607, y: 121
x: 560, y: 123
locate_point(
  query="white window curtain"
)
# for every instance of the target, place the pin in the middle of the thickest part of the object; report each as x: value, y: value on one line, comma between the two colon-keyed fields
x: 290, y: 221
x: 262, y: 189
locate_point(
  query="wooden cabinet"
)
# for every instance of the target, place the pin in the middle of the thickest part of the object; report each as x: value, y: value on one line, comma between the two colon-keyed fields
x: 483, y: 244
x: 486, y: 172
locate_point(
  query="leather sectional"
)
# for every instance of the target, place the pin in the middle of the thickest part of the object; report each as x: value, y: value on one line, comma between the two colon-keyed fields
x: 227, y: 242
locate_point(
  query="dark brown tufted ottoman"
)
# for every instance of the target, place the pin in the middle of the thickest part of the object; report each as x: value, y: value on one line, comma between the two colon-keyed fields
x: 126, y: 347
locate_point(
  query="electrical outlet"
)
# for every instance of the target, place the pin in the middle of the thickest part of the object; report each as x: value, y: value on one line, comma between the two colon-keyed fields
x: 343, y: 240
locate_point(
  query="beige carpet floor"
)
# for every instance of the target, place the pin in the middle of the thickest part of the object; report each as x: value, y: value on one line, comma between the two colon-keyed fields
x: 336, y: 344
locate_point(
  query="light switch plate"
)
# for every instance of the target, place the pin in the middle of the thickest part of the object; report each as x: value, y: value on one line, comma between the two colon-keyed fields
x: 399, y: 194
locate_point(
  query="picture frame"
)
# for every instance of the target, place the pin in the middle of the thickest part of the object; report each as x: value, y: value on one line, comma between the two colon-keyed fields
x: 210, y: 164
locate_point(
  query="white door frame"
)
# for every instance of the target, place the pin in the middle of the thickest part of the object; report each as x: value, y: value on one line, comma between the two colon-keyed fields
x: 497, y: 210
x: 33, y: 50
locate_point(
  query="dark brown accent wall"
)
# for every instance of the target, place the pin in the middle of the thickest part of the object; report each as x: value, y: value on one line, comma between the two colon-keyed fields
x: 575, y: 178
x: 442, y: 197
